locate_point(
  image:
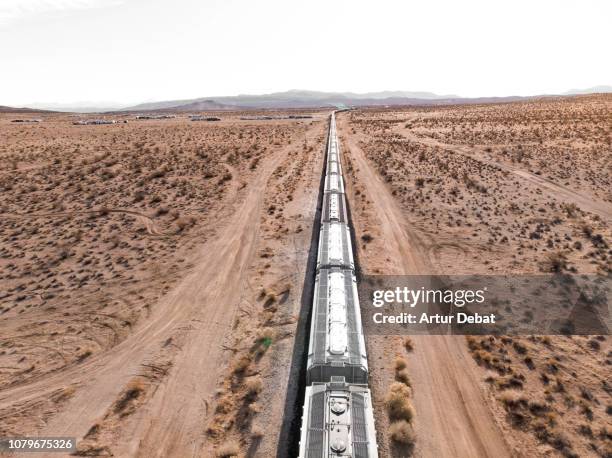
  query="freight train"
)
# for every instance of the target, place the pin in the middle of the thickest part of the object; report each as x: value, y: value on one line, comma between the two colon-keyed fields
x: 337, y: 417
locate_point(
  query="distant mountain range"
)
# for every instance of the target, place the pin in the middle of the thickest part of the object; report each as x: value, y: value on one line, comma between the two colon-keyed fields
x: 302, y: 99
x: 314, y: 99
x: 288, y: 99
x: 590, y: 90
x: 4, y: 109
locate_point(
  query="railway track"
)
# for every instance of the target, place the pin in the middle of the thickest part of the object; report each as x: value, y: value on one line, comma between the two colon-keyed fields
x: 337, y: 418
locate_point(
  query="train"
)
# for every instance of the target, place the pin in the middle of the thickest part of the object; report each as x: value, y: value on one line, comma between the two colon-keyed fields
x: 337, y: 415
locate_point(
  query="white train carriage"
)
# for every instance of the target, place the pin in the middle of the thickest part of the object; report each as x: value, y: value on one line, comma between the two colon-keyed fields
x: 334, y: 167
x: 333, y: 157
x: 337, y: 345
x: 338, y: 421
x: 334, y: 183
x: 335, y: 248
x: 334, y: 208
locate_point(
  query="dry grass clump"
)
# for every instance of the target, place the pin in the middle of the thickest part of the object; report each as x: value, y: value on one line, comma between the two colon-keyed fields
x: 402, y: 432
x: 555, y: 262
x: 408, y: 344
x: 253, y: 385
x: 228, y: 449
x: 403, y: 376
x: 241, y: 365
x: 127, y: 402
x: 264, y: 339
x: 398, y: 404
x: 401, y: 371
x: 367, y: 238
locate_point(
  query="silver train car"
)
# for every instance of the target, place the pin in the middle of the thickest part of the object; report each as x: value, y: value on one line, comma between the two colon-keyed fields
x: 333, y: 173
x: 334, y: 183
x: 335, y: 248
x: 334, y: 208
x: 337, y: 418
x: 337, y: 345
x: 338, y: 421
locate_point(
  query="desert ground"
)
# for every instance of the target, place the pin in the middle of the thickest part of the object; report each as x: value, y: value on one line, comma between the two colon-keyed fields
x: 151, y: 275
x: 501, y: 188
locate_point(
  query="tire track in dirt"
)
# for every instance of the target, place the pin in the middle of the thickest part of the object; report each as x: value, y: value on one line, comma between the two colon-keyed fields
x: 585, y: 202
x: 452, y: 418
x: 145, y: 220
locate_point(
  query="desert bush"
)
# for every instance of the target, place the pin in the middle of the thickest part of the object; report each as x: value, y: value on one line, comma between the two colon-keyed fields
x: 402, y: 432
x: 241, y: 365
x: 403, y: 376
x: 554, y: 262
x: 228, y: 449
x: 398, y: 402
x: 253, y: 385
x: 161, y: 211
x: 132, y: 392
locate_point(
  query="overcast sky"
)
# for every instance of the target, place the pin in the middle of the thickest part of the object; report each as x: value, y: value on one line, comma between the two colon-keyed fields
x: 129, y: 51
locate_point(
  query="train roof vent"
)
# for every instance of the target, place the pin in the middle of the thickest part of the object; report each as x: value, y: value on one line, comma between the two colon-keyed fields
x: 338, y: 446
x: 338, y: 408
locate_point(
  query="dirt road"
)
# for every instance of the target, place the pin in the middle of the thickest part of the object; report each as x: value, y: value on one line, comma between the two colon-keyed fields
x: 453, y: 418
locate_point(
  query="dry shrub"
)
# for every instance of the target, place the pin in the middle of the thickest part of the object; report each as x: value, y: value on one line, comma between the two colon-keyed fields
x: 241, y: 365
x: 408, y: 344
x: 162, y: 211
x: 254, y: 408
x: 84, y: 354
x: 266, y: 333
x: 403, y: 376
x: 133, y: 391
x: 63, y: 394
x: 554, y: 262
x: 185, y: 222
x: 265, y: 338
x: 513, y: 398
x: 253, y: 385
x: 402, y: 432
x: 400, y: 363
x: 228, y: 449
x: 270, y: 299
x: 225, y: 405
x: 398, y: 402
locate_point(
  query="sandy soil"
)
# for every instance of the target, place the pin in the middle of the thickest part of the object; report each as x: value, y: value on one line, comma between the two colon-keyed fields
x: 151, y: 274
x: 457, y: 421
x: 510, y: 188
x: 151, y: 375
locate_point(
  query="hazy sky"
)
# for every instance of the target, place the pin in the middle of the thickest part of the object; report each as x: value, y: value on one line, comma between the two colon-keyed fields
x: 128, y: 51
